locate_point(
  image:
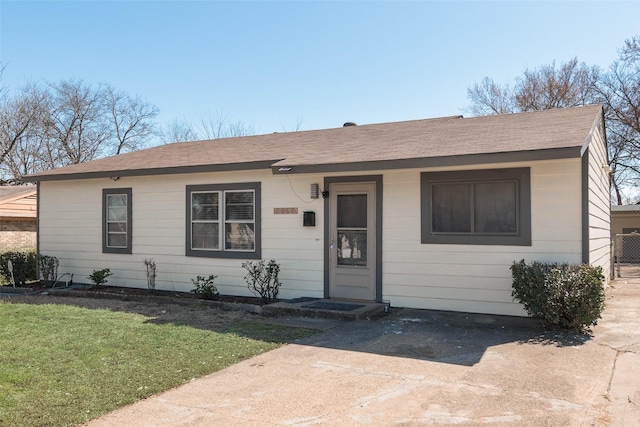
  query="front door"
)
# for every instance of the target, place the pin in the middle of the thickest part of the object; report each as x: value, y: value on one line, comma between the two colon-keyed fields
x: 352, y: 240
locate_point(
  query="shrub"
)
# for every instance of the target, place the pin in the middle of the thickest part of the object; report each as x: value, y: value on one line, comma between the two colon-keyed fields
x: 560, y: 295
x: 99, y: 277
x: 205, y: 288
x: 49, y: 269
x: 24, y: 266
x: 151, y: 273
x: 262, y: 279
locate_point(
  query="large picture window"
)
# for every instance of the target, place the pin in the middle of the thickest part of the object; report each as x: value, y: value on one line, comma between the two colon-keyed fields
x: 116, y: 220
x: 223, y: 220
x: 491, y: 207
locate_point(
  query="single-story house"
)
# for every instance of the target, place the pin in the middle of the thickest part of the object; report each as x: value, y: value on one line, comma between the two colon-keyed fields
x: 425, y: 213
x: 18, y: 208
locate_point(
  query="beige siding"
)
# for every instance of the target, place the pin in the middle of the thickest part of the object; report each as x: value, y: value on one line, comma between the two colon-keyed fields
x: 475, y: 278
x: 599, y: 202
x: 70, y: 228
x: 444, y: 277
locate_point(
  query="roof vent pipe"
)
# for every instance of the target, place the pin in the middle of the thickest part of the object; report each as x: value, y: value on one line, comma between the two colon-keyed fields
x: 349, y: 124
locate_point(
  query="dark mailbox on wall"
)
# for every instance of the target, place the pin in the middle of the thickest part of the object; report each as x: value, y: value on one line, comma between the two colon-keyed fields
x: 309, y: 219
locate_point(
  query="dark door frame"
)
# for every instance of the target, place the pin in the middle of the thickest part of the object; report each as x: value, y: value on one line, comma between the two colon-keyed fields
x: 377, y: 179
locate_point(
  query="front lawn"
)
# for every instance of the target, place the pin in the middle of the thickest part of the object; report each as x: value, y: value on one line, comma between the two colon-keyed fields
x: 61, y: 365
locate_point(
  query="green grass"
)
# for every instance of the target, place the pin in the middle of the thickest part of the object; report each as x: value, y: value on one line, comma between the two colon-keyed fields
x: 63, y: 365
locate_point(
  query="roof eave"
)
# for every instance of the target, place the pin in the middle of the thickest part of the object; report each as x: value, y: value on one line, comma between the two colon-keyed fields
x: 285, y: 167
x: 625, y: 212
x: 264, y: 164
x: 598, y: 122
x: 17, y: 216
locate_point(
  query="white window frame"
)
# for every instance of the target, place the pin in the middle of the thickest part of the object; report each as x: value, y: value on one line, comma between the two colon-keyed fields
x: 207, y: 221
x: 107, y: 193
x: 222, y: 251
x: 239, y: 221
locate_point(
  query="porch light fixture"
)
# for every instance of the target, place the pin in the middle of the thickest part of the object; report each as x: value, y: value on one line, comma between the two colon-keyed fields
x: 315, y: 191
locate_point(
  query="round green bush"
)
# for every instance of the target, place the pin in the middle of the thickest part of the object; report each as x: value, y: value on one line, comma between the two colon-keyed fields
x: 561, y: 296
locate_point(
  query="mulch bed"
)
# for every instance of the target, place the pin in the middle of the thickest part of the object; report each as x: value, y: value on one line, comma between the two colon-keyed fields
x: 137, y: 292
x: 122, y: 291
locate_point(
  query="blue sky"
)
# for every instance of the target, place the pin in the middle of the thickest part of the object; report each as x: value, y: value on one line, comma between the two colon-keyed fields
x: 277, y: 65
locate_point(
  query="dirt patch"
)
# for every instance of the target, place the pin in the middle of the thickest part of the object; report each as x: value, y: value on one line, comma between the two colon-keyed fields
x: 159, y: 310
x: 180, y: 307
x: 122, y: 291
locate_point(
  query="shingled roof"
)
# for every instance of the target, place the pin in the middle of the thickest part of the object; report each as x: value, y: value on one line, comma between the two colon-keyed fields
x: 18, y: 202
x: 12, y: 191
x: 558, y: 133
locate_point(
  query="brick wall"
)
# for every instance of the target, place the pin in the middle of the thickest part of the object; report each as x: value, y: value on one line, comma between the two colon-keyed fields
x: 17, y: 234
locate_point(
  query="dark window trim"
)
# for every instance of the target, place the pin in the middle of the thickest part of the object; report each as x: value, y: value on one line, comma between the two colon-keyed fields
x: 585, y: 207
x: 226, y: 253
x: 523, y: 178
x: 111, y: 191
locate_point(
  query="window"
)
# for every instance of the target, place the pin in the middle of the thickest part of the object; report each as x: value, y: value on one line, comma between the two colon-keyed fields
x: 116, y: 220
x: 483, y: 207
x: 223, y: 220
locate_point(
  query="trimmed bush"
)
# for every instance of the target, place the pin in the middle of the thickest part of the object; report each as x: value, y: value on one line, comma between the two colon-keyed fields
x: 99, y: 277
x: 49, y: 269
x: 205, y: 288
x: 24, y: 266
x: 151, y: 274
x: 262, y: 279
x: 561, y: 296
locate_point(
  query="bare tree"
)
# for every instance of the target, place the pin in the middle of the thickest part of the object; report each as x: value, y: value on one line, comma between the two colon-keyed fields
x: 178, y: 131
x: 620, y: 91
x: 77, y: 126
x: 131, y: 118
x: 3, y: 89
x: 214, y: 125
x: 630, y: 53
x: 573, y: 84
x: 546, y: 87
x: 57, y: 124
x: 217, y: 125
x: 21, y: 121
x: 570, y: 85
x: 489, y: 98
x: 297, y: 126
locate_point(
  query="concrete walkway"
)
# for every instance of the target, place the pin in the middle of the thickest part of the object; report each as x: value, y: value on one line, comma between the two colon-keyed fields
x: 418, y: 367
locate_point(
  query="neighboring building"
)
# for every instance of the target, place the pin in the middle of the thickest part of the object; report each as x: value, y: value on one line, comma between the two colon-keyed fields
x: 427, y: 213
x: 18, y: 207
x: 625, y: 219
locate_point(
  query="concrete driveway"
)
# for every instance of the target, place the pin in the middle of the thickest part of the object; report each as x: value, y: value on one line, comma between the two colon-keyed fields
x: 423, y: 368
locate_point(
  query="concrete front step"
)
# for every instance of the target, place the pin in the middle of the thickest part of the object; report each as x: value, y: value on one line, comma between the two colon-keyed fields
x: 326, y: 308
